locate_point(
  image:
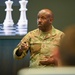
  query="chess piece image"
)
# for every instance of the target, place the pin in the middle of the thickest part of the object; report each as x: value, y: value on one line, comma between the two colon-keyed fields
x: 8, y: 22
x: 22, y: 22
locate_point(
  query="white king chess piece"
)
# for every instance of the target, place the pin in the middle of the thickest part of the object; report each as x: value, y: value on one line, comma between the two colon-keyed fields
x: 8, y: 22
x: 22, y: 22
x: 8, y: 19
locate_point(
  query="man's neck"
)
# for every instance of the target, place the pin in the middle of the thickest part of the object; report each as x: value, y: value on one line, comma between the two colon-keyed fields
x: 48, y: 29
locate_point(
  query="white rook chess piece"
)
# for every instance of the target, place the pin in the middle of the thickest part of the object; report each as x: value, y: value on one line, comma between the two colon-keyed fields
x: 8, y: 19
x: 22, y: 22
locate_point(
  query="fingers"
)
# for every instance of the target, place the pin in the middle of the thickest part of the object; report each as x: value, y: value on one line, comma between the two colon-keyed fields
x: 47, y: 60
x: 44, y: 62
x: 24, y: 46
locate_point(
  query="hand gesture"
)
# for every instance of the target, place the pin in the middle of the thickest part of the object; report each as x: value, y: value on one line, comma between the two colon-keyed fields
x: 23, y: 46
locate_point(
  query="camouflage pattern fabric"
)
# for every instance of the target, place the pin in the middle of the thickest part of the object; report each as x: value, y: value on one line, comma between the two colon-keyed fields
x: 40, y: 44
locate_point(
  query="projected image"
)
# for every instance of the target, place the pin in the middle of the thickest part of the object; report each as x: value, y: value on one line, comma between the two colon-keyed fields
x: 8, y: 27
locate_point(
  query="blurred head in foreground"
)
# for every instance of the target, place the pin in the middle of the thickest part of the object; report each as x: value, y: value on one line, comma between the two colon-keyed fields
x: 67, y: 47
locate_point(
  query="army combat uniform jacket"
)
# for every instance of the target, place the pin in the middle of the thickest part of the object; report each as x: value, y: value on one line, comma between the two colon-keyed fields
x: 40, y: 44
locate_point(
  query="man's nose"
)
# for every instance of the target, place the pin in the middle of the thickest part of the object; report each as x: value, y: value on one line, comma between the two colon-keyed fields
x: 39, y: 20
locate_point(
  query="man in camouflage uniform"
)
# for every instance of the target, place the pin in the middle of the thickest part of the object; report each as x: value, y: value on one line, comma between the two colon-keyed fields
x: 41, y: 42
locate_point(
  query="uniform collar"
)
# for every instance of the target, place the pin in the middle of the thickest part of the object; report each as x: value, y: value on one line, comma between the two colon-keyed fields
x: 49, y: 34
x: 52, y: 32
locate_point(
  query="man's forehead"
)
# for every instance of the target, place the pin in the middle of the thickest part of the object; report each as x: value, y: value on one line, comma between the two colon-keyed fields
x: 44, y: 13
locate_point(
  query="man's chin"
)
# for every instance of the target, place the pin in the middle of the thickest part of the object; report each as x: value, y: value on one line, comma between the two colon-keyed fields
x: 41, y: 29
x: 39, y: 26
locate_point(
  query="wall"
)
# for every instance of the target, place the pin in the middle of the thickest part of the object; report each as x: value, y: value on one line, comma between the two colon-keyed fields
x: 8, y: 65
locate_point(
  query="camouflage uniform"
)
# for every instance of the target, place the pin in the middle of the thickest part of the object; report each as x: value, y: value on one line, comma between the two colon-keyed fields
x: 40, y: 44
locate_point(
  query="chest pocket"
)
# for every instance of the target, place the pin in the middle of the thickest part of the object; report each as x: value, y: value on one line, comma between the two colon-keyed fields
x: 35, y: 47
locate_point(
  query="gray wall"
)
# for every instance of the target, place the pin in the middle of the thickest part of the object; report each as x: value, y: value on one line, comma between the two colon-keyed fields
x: 64, y: 12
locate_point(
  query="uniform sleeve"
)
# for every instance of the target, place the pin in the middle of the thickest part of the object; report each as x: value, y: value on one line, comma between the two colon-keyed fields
x: 61, y: 36
x: 25, y: 39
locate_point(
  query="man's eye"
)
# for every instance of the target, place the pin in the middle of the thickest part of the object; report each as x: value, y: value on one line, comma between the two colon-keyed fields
x: 43, y: 18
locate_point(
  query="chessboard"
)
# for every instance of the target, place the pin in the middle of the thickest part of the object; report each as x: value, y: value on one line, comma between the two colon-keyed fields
x: 12, y: 30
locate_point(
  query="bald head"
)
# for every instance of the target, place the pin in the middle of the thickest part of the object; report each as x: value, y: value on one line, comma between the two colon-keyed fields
x: 48, y: 12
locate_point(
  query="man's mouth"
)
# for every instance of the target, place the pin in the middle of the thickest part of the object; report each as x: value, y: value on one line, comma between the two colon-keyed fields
x: 39, y: 25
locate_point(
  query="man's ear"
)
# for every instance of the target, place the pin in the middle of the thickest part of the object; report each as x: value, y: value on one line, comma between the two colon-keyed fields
x: 51, y: 20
